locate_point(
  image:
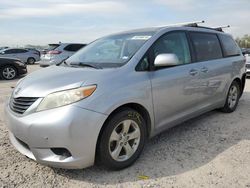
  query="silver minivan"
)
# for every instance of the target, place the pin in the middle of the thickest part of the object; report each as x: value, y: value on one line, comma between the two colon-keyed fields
x: 101, y: 104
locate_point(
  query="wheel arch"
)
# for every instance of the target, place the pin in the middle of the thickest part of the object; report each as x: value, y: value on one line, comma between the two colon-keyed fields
x: 30, y: 57
x: 243, y: 83
x: 239, y: 81
x: 135, y: 106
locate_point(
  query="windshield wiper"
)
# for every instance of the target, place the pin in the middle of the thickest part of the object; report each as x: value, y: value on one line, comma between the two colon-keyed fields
x: 86, y: 65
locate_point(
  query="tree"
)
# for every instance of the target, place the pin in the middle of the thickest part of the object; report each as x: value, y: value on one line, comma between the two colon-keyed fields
x: 243, y: 42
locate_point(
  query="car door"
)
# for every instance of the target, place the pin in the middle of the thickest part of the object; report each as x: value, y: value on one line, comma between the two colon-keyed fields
x: 174, y: 89
x: 22, y: 54
x: 214, y: 72
x: 10, y: 53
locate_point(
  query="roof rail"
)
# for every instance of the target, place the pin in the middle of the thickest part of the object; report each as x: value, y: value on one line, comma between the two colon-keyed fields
x: 187, y: 24
x: 221, y: 28
x: 195, y: 24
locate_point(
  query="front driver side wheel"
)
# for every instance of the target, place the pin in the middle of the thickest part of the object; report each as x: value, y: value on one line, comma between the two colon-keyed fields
x: 122, y: 139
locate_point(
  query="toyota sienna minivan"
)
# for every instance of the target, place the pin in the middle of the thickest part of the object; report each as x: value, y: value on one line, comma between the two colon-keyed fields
x: 101, y: 104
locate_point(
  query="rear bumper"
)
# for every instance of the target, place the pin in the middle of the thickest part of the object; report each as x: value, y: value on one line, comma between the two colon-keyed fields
x: 46, y: 63
x: 69, y: 127
x: 49, y: 62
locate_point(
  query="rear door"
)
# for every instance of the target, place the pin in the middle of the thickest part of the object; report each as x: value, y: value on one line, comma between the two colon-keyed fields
x: 22, y: 54
x: 10, y: 53
x: 215, y: 71
x: 174, y: 89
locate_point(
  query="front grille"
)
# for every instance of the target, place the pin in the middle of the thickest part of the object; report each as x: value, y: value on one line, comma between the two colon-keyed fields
x: 21, y: 104
x: 248, y: 66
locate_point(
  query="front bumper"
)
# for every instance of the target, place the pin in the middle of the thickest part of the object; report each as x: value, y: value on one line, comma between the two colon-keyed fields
x: 22, y: 70
x: 69, y: 127
x: 248, y: 71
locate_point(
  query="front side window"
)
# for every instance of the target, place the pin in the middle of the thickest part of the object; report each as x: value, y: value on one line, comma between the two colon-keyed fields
x: 229, y: 45
x: 112, y: 51
x: 173, y: 43
x: 21, y: 51
x: 11, y: 51
x: 207, y: 46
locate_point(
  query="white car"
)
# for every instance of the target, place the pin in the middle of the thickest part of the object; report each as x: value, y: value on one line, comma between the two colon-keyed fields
x: 58, y: 52
x: 247, y: 65
x: 25, y: 55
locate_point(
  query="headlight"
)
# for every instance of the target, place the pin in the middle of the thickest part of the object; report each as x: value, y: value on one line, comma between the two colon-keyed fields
x: 20, y: 63
x: 66, y: 97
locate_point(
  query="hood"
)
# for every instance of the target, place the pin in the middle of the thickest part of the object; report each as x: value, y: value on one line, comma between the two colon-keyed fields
x: 56, y: 78
x: 9, y: 58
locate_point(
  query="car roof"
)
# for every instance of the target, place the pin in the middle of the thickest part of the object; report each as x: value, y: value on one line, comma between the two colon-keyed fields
x: 15, y: 49
x: 56, y: 44
x: 157, y: 29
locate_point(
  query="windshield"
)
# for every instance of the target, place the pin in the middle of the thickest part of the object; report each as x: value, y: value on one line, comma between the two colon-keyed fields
x: 111, y: 51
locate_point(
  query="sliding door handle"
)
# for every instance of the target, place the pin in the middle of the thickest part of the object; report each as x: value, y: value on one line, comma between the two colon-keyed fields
x: 204, y: 69
x: 193, y: 72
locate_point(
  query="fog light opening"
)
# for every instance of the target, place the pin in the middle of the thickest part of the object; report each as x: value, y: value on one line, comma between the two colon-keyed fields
x: 63, y: 152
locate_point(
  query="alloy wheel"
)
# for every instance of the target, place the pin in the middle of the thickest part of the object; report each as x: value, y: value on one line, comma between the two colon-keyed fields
x: 124, y: 140
x: 9, y: 73
x: 232, y: 96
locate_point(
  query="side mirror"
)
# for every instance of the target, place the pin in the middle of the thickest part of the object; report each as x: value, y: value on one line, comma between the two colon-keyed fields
x: 166, y: 60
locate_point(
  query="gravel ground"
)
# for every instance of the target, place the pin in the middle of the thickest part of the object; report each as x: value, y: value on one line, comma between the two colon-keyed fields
x: 212, y: 150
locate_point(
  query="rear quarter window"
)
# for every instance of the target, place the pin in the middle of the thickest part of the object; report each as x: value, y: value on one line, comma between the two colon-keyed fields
x: 230, y: 48
x: 21, y: 51
x: 206, y: 46
x: 73, y: 47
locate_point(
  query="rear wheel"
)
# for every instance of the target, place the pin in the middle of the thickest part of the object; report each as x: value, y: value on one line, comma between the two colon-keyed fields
x: 31, y: 60
x: 122, y: 140
x: 232, y: 98
x: 8, y: 72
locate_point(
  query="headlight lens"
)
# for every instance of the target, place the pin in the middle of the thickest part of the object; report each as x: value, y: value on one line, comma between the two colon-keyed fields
x: 20, y: 63
x: 66, y: 97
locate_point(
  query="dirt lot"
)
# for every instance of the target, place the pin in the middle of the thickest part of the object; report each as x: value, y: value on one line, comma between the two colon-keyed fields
x: 212, y: 150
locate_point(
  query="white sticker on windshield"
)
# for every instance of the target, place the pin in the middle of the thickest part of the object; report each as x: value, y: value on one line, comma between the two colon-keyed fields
x: 145, y: 37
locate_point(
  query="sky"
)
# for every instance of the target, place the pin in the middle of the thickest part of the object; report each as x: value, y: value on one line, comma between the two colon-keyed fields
x: 40, y: 22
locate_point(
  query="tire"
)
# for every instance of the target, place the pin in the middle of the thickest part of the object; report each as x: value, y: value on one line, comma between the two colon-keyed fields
x: 31, y: 61
x: 115, y: 149
x: 233, y: 97
x: 8, y: 72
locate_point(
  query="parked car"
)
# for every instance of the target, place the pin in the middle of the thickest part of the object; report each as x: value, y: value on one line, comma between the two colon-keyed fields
x: 245, y: 51
x: 27, y: 56
x: 247, y: 65
x: 11, y: 68
x: 3, y: 48
x: 58, y: 53
x: 34, y: 50
x: 49, y: 48
x: 102, y: 103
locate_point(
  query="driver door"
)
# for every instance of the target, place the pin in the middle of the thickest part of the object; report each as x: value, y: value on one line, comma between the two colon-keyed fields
x: 174, y: 89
